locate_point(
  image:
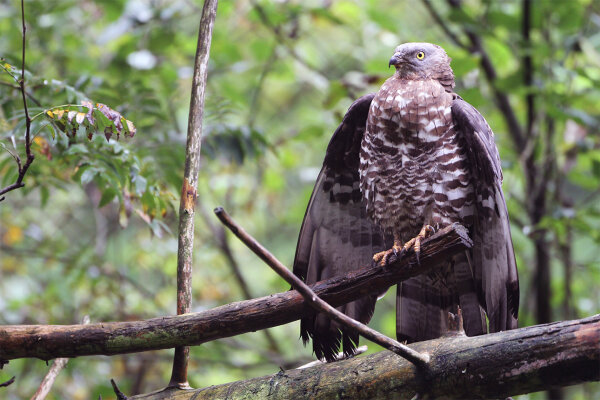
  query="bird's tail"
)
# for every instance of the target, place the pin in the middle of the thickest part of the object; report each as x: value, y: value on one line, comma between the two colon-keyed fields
x: 423, y: 302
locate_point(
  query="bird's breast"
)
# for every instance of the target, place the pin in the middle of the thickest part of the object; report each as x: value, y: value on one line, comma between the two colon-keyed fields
x: 409, y: 135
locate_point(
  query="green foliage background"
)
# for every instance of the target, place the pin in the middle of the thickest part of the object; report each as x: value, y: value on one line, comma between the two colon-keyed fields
x: 281, y: 75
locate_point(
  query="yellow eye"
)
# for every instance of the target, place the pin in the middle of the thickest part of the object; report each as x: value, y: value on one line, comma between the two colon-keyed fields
x: 420, y: 55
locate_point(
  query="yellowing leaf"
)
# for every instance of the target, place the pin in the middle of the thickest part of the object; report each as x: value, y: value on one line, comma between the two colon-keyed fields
x: 50, y: 113
x: 131, y: 128
x: 90, y: 108
x: 13, y: 235
x: 44, y: 147
x: 71, y: 115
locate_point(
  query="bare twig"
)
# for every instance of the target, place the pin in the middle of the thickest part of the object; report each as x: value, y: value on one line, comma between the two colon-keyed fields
x: 420, y: 360
x: 190, y: 183
x: 218, y: 233
x: 22, y: 168
x: 502, y: 101
x: 8, y: 382
x: 18, y: 87
x: 255, y: 101
x: 281, y: 38
x: 442, y: 23
x: 50, y: 377
x: 120, y: 395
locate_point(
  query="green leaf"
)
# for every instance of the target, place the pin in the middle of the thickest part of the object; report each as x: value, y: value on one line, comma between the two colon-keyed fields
x: 107, y: 196
x: 44, y: 195
x: 88, y: 175
x: 51, y: 130
x: 140, y: 184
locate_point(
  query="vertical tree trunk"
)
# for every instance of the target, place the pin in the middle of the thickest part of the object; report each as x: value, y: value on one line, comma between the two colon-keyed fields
x: 190, y: 184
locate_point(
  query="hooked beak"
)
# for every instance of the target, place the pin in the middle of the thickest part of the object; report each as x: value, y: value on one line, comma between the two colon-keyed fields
x: 395, y: 60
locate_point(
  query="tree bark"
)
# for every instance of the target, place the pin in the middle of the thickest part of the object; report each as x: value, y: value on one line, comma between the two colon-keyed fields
x: 52, y: 341
x: 490, y: 366
x: 185, y: 248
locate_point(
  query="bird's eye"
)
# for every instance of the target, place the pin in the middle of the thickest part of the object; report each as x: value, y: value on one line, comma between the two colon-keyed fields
x: 420, y: 55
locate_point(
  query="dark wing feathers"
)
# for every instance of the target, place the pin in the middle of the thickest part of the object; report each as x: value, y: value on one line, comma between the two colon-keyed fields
x: 336, y: 236
x: 493, y: 259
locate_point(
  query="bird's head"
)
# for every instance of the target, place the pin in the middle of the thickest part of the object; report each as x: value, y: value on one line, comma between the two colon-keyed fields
x: 422, y: 61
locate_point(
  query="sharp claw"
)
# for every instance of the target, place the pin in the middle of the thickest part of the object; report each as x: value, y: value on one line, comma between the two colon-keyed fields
x: 402, y: 252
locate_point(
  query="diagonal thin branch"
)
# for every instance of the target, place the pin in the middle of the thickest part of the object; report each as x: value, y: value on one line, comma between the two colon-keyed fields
x: 500, y: 97
x: 420, y: 360
x: 108, y: 338
x: 440, y: 21
x: 8, y: 382
x: 218, y: 233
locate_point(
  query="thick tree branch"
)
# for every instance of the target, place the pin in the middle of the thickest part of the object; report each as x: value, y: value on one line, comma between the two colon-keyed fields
x: 490, y: 366
x: 57, y: 366
x: 185, y: 248
x: 317, y: 303
x: 51, y: 341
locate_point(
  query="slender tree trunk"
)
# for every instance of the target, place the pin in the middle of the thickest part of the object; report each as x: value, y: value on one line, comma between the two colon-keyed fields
x: 190, y: 184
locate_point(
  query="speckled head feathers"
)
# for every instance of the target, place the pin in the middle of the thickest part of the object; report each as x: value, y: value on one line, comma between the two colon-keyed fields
x: 423, y: 61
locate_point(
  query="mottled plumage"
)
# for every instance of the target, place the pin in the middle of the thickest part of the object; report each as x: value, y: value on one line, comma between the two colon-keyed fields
x: 411, y: 156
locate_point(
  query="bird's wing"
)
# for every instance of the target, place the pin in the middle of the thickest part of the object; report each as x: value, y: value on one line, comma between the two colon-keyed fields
x: 336, y: 235
x: 493, y: 259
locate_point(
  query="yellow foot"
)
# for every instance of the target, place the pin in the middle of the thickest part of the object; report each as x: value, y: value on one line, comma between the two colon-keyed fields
x: 382, y: 257
x: 415, y: 243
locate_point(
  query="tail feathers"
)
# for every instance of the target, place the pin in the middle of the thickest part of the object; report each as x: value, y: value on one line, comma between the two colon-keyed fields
x: 328, y: 335
x: 423, y: 303
x: 421, y: 310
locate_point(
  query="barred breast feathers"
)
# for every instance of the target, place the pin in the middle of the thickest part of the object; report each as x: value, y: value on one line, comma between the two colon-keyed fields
x: 409, y: 157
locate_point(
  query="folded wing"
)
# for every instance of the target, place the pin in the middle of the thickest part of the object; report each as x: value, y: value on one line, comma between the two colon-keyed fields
x: 336, y: 235
x: 493, y: 258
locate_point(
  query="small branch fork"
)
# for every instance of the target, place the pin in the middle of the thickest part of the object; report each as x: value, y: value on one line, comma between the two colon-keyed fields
x: 418, y: 359
x: 22, y: 168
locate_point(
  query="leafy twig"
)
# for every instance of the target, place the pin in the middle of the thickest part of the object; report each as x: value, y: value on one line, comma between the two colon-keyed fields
x: 420, y: 360
x: 22, y: 168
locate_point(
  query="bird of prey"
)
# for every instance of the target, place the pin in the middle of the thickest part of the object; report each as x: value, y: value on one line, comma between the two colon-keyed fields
x: 406, y: 161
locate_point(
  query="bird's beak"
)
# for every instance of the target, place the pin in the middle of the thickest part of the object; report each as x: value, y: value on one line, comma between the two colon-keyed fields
x: 395, y: 60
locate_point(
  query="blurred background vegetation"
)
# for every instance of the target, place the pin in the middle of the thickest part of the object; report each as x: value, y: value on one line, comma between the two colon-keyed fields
x: 94, y: 230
